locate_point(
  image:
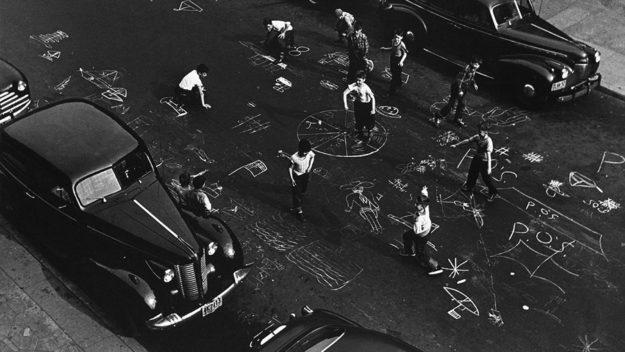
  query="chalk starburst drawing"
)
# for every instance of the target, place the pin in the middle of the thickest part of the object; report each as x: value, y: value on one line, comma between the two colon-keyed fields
x: 586, y: 344
x: 455, y: 269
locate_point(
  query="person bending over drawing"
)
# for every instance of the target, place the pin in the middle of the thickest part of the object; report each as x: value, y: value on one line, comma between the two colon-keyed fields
x: 416, y: 239
x: 364, y: 107
x: 482, y: 161
x: 299, y: 172
x: 191, y: 85
x: 197, y: 200
x: 344, y: 24
x: 279, y: 37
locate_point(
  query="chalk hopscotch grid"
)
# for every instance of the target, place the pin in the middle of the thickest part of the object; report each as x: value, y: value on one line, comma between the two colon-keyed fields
x: 322, y: 261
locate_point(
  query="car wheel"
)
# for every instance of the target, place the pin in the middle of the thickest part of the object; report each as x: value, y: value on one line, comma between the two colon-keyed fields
x: 530, y: 92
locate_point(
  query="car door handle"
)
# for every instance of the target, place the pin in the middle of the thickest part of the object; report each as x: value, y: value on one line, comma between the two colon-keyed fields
x: 29, y: 195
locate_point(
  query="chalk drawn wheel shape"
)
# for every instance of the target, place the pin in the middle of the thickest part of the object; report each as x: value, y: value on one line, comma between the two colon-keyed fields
x: 330, y: 133
x: 464, y: 303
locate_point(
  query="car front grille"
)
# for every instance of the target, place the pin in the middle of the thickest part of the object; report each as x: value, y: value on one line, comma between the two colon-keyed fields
x: 193, y: 284
x: 12, y: 103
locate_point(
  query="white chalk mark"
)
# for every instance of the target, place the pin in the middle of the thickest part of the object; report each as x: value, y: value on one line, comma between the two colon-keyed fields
x: 48, y: 39
x: 463, y: 301
x: 189, y: 6
x: 576, y: 179
x: 51, y: 55
x: 621, y: 159
x: 59, y: 87
x: 255, y: 168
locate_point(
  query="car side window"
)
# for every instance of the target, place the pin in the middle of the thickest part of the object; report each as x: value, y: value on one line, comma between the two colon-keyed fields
x: 526, y: 7
x: 475, y: 13
x: 61, y: 195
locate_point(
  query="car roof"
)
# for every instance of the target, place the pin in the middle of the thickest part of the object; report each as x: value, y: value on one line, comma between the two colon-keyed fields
x: 366, y: 340
x: 77, y: 137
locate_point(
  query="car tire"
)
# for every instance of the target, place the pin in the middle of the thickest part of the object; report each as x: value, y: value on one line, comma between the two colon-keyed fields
x: 530, y: 92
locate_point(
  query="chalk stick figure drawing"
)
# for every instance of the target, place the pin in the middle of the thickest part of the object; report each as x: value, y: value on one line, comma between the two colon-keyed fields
x: 612, y: 158
x: 388, y: 111
x: 282, y: 84
x: 455, y: 268
x: 178, y: 109
x: 534, y: 255
x: 59, y: 87
x: 328, y: 85
x: 464, y: 303
x: 251, y: 124
x: 533, y: 157
x: 387, y: 75
x: 368, y: 208
x: 48, y: 39
x: 576, y: 179
x: 299, y: 50
x: 553, y: 189
x: 51, y: 55
x: 326, y: 263
x: 188, y: 6
x: 335, y: 58
x: 255, y: 168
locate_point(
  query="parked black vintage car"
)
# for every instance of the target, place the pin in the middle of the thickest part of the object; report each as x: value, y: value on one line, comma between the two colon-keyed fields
x: 521, y: 50
x: 90, y: 185
x: 14, y: 92
x: 322, y: 330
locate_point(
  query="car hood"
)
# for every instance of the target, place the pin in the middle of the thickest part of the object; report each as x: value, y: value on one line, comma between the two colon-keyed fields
x: 540, y: 33
x: 147, y: 218
x: 8, y: 75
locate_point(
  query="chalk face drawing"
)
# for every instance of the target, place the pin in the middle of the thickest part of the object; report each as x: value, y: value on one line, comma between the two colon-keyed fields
x: 282, y: 84
x: 553, y: 188
x: 388, y: 111
x: 576, y: 179
x: 610, y: 158
x: 464, y: 303
x: 328, y: 85
x: 48, y: 39
x: 188, y: 6
x: 533, y: 157
x: 330, y: 133
x: 255, y: 168
x: 326, y: 263
x: 603, y: 206
x: 365, y: 201
x: 51, y: 55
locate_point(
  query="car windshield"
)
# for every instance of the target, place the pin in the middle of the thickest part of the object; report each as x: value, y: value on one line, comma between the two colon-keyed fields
x: 112, y: 180
x: 505, y: 12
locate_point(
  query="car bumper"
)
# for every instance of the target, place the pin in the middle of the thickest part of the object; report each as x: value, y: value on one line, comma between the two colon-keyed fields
x: 580, y: 89
x: 161, y: 322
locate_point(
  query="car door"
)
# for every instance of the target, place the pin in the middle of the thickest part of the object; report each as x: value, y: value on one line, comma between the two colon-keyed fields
x: 443, y: 30
x: 479, y: 33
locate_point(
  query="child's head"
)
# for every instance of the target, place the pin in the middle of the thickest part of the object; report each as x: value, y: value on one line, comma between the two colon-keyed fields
x: 304, y: 146
x: 185, y: 179
x: 199, y: 181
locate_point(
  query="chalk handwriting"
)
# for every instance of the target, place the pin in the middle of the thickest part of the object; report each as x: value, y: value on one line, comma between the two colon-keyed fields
x: 326, y: 264
x: 465, y: 304
x: 48, y: 39
x: 612, y: 158
x: 603, y: 206
x: 276, y: 234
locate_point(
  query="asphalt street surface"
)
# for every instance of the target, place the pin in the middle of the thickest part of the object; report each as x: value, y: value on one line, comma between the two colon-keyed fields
x: 538, y: 269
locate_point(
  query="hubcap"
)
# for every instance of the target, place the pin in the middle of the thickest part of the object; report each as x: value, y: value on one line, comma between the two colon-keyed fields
x: 528, y: 90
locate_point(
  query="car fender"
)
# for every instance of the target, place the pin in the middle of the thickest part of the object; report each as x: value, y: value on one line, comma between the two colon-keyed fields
x: 523, y: 65
x: 134, y: 282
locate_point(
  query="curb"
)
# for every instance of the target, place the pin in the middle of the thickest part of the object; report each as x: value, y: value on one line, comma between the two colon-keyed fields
x: 611, y: 93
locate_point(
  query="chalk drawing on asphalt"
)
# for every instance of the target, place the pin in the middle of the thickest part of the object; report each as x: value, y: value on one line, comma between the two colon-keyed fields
x: 494, y: 317
x: 399, y: 185
x: 586, y: 344
x: 330, y: 133
x: 364, y: 201
x: 116, y: 94
x: 386, y: 74
x: 188, y: 6
x: 336, y: 58
x: 266, y: 269
x: 103, y: 79
x: 464, y: 303
x: 282, y: 85
x: 496, y: 117
x: 255, y: 168
x: 577, y: 179
x: 277, y: 234
x: 328, y: 85
x: 553, y: 189
x: 63, y: 84
x: 326, y: 264
x: 178, y: 109
x: 603, y: 206
x: 467, y: 206
x: 51, y: 55
x: 48, y: 39
x: 455, y: 268
x: 533, y: 157
x: 200, y: 153
x: 612, y: 159
x: 446, y: 138
x: 298, y: 51
x: 388, y: 111
x: 251, y: 124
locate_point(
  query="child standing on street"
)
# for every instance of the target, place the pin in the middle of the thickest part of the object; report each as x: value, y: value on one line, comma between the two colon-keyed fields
x: 398, y: 56
x: 364, y: 106
x: 299, y: 173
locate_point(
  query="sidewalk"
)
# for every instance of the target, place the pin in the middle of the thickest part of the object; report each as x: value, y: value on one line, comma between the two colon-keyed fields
x: 35, y: 316
x: 598, y: 23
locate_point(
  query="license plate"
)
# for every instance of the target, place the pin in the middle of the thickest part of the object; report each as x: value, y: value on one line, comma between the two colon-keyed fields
x: 558, y: 85
x: 211, y: 307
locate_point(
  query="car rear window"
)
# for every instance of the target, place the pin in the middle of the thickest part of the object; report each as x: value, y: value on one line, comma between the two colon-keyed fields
x: 505, y: 12
x: 97, y: 186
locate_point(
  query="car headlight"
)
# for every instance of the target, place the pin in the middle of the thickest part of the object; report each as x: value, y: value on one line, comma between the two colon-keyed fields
x: 168, y: 276
x: 21, y: 86
x: 212, y: 248
x: 565, y: 72
x: 597, y: 56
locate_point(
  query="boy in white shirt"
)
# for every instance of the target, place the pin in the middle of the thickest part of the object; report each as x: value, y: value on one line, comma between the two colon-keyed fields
x: 191, y: 84
x: 299, y: 172
x: 279, y: 36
